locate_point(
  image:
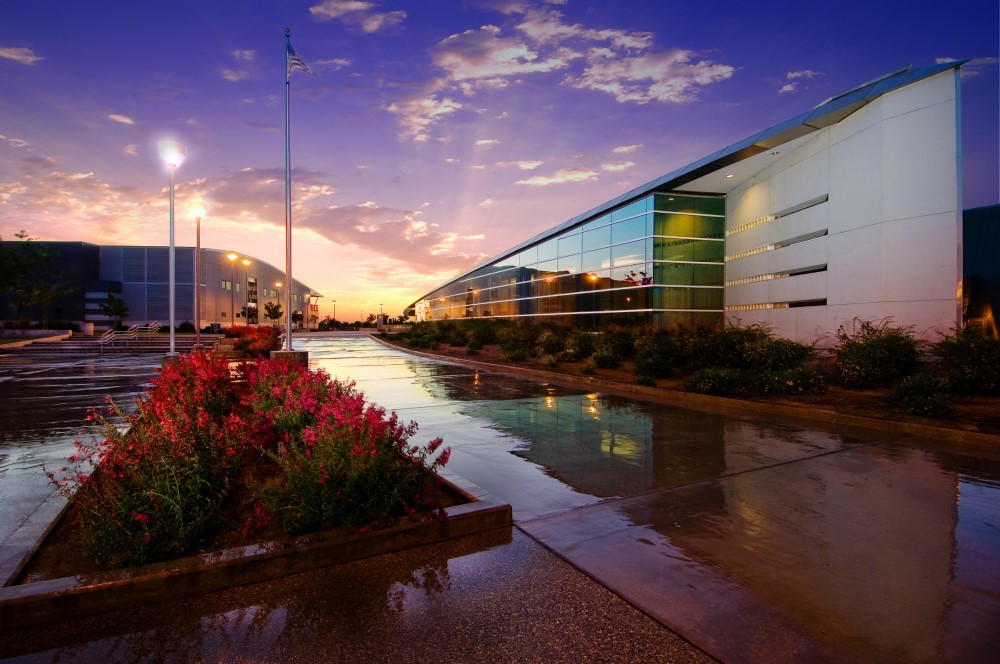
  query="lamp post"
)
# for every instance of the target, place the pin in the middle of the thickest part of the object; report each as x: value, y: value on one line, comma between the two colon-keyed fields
x: 378, y: 326
x: 199, y: 213
x: 334, y: 315
x: 232, y: 256
x: 172, y: 154
x: 246, y: 286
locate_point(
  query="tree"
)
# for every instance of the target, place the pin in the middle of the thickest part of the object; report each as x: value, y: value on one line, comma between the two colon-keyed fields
x: 273, y: 311
x: 26, y: 271
x: 114, y: 309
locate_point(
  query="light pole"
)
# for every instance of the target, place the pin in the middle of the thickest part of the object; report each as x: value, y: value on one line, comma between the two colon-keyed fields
x: 334, y: 315
x: 232, y: 256
x: 172, y: 154
x: 246, y: 287
x: 379, y: 325
x: 199, y: 213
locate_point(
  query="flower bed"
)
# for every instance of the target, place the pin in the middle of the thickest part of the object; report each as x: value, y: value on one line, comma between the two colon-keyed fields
x: 154, y: 486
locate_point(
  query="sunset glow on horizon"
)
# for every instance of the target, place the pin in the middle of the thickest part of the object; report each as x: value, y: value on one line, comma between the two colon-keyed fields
x: 434, y: 135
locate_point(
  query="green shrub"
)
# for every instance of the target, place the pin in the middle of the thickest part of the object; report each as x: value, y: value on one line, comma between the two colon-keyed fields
x: 754, y: 346
x: 719, y: 381
x: 874, y: 355
x: 922, y: 394
x: 588, y: 369
x: 579, y: 346
x: 550, y: 342
x: 788, y: 381
x: 657, y: 353
x: 646, y: 381
x: 969, y: 361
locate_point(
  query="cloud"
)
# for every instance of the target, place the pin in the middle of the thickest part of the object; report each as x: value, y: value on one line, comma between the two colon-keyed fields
x: 805, y: 73
x: 13, y: 142
x: 524, y: 165
x: 358, y: 13
x: 487, y: 142
x: 489, y: 202
x: 131, y: 150
x: 669, y: 76
x: 333, y: 64
x: 25, y: 56
x: 973, y: 67
x: 559, y: 177
x: 418, y: 114
x: 546, y: 27
x: 788, y: 87
x: 122, y: 119
x: 627, y: 149
x: 245, y: 68
x: 618, y: 166
x: 486, y: 58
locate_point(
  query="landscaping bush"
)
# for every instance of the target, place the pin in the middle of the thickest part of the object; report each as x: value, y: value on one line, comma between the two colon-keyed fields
x: 254, y: 341
x: 753, y: 346
x: 612, y: 346
x: 159, y: 475
x: 343, y: 462
x: 579, y: 346
x: 657, y: 353
x: 550, y: 342
x: 788, y: 381
x: 922, y: 394
x: 969, y: 361
x: 719, y: 381
x: 873, y: 355
x: 148, y: 490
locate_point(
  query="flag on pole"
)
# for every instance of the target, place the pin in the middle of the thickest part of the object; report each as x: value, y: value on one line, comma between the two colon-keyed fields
x: 294, y: 61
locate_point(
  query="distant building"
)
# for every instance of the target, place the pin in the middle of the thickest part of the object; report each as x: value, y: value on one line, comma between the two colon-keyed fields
x: 851, y: 209
x: 231, y: 291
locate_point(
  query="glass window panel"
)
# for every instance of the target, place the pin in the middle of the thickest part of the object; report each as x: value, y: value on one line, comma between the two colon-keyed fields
x: 710, y: 206
x: 629, y: 210
x: 597, y: 238
x: 529, y: 256
x: 596, y: 260
x: 673, y: 274
x: 600, y: 221
x: 633, y: 298
x: 571, y: 264
x: 669, y: 203
x: 548, y: 268
x: 632, y: 229
x: 632, y: 276
x: 667, y: 249
x: 547, y: 250
x: 708, y: 275
x: 681, y: 225
x: 709, y: 227
x: 625, y: 254
x: 709, y: 251
x: 706, y: 298
x: 570, y: 245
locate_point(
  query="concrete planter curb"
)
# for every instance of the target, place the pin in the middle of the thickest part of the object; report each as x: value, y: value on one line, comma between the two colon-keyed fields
x: 67, y: 598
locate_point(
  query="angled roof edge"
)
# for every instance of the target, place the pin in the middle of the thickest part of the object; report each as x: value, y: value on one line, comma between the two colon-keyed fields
x: 826, y: 114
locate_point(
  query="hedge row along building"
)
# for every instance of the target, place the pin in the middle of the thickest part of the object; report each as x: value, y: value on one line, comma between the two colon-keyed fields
x: 851, y: 209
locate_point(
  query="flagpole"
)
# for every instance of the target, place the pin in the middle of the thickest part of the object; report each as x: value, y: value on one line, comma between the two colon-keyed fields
x: 288, y: 198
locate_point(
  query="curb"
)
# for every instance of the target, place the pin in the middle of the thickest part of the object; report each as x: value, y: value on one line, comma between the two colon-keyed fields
x: 67, y: 598
x: 724, y: 404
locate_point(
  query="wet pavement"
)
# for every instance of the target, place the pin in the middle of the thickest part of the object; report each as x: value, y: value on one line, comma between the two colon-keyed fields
x: 754, y: 539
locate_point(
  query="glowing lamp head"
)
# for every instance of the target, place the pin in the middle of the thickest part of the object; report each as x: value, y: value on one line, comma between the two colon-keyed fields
x: 245, y: 262
x: 232, y: 255
x: 172, y: 153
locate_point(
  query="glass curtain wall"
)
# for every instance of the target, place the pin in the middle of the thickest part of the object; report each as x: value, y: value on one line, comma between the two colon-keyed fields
x: 658, y: 260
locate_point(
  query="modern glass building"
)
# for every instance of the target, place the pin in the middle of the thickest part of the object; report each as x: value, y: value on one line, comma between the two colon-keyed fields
x: 656, y: 260
x: 851, y: 209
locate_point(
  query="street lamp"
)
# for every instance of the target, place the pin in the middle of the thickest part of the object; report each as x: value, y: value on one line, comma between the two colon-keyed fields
x: 232, y: 256
x: 379, y: 326
x: 198, y: 214
x: 172, y: 154
x: 246, y: 287
x: 277, y: 285
x: 334, y: 314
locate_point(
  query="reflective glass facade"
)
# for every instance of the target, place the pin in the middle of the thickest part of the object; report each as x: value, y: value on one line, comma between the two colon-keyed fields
x: 657, y: 260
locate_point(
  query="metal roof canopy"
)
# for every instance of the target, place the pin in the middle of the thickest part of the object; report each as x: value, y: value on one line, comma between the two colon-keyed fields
x: 826, y: 114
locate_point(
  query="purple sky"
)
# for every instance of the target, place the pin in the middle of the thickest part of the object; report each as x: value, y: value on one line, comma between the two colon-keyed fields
x: 436, y: 133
